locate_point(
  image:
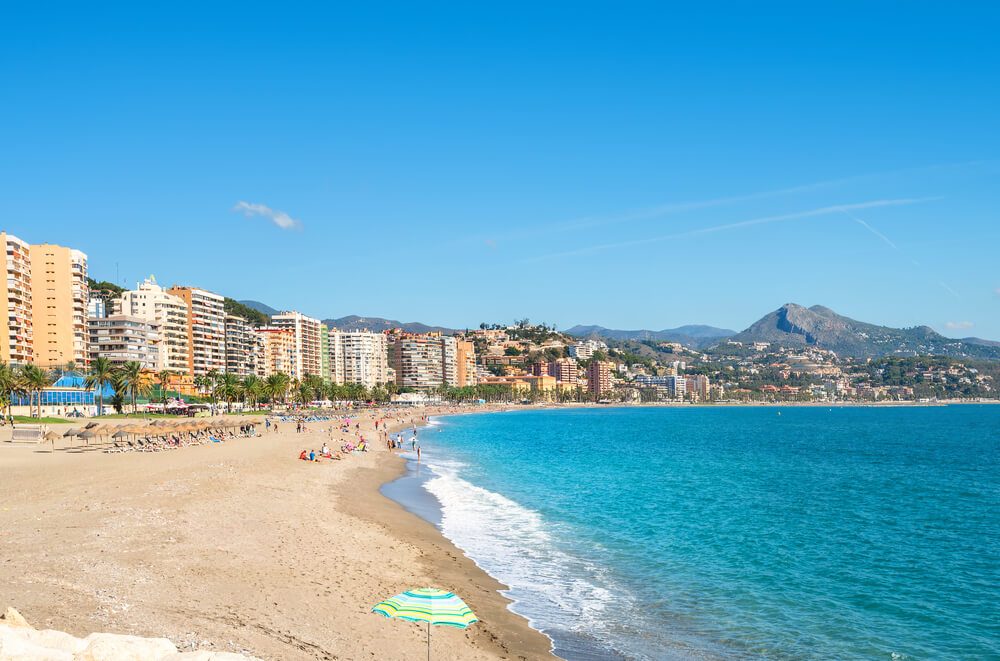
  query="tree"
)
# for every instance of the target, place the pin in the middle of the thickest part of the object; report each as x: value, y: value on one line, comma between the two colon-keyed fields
x: 133, y: 381
x: 276, y: 386
x: 101, y: 374
x: 227, y: 387
x: 164, y: 377
x: 35, y: 380
x: 253, y: 389
x: 11, y: 385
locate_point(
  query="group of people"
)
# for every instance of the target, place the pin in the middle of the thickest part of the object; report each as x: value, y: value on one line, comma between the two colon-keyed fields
x: 324, y: 453
x: 395, y: 442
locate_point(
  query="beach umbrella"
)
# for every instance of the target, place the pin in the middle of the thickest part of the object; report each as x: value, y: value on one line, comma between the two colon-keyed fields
x: 71, y: 432
x: 86, y: 435
x: 52, y: 437
x: 121, y: 433
x: 429, y: 605
x: 90, y: 425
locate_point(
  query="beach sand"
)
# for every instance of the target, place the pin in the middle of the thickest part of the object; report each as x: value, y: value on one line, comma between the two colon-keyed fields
x: 236, y: 547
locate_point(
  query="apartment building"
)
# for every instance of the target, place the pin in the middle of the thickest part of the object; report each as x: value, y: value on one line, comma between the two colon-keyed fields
x: 359, y: 357
x: 121, y: 339
x: 565, y: 370
x: 306, y: 331
x: 59, y: 296
x: 424, y: 362
x: 465, y: 361
x: 585, y: 350
x: 167, y: 316
x: 244, y: 347
x: 325, y: 368
x: 206, y: 329
x: 278, y: 351
x: 599, y: 377
x: 15, y: 289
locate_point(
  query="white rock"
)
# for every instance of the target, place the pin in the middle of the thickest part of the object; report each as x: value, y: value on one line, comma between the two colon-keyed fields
x: 52, y: 639
x: 206, y: 655
x: 14, y: 619
x: 14, y: 646
x: 113, y: 647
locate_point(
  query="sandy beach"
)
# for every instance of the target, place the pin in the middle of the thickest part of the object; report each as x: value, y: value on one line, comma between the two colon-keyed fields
x: 236, y: 547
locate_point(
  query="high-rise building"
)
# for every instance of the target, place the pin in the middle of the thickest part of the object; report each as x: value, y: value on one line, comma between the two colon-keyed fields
x: 279, y: 353
x: 324, y: 353
x: 424, y: 362
x: 307, y: 341
x: 206, y: 329
x: 167, y: 315
x: 121, y: 339
x: 599, y: 377
x: 565, y: 370
x: 465, y: 360
x: 59, y: 296
x: 244, y: 347
x: 16, y: 344
x: 359, y: 357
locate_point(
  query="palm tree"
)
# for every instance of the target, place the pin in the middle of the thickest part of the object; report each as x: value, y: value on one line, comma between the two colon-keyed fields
x: 134, y: 381
x: 164, y: 377
x: 227, y: 386
x: 35, y: 380
x: 253, y: 389
x: 10, y: 386
x: 276, y: 386
x: 101, y: 374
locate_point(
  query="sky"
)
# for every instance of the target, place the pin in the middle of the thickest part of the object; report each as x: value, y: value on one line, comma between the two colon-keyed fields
x: 632, y: 165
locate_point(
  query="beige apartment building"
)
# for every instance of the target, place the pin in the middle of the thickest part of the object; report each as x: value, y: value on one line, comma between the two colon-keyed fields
x: 59, y: 297
x: 278, y: 351
x: 206, y: 329
x: 308, y: 341
x: 121, y: 339
x: 599, y: 377
x: 16, y: 345
x: 465, y: 361
x: 359, y: 357
x: 167, y: 316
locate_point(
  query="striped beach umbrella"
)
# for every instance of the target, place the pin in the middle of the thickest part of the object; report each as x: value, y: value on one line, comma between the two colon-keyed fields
x: 429, y: 605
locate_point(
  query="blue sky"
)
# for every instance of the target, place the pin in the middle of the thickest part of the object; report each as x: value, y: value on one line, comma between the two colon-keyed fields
x: 626, y: 164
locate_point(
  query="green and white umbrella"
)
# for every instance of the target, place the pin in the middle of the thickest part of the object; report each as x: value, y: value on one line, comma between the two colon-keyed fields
x: 429, y: 605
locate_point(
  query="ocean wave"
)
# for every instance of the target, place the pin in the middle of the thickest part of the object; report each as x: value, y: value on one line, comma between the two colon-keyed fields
x: 552, y: 588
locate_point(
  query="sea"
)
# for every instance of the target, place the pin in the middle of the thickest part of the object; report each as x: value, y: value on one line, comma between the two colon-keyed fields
x: 729, y: 532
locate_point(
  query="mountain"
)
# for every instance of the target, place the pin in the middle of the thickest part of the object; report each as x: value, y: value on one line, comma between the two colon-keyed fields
x: 378, y: 324
x: 260, y: 307
x: 695, y: 336
x: 793, y: 325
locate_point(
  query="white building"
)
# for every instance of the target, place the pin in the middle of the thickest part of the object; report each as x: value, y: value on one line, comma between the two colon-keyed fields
x: 122, y: 339
x: 244, y: 347
x: 308, y: 341
x: 167, y: 315
x: 359, y: 357
x: 585, y: 350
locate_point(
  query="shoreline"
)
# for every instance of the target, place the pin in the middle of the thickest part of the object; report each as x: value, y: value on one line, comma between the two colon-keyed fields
x: 237, y: 547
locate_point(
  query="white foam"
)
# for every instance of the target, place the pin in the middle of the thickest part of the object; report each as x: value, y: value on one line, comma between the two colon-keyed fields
x: 550, y: 587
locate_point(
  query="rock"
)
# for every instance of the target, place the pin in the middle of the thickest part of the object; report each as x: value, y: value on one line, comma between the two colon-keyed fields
x: 114, y: 647
x: 205, y: 655
x: 14, y: 646
x: 54, y: 640
x: 14, y: 619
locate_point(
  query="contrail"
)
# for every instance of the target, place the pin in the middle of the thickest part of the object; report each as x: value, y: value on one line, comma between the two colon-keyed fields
x: 812, y: 213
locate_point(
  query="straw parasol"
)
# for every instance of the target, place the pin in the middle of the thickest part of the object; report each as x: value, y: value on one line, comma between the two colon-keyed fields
x: 86, y: 435
x: 71, y: 432
x: 52, y: 437
x: 91, y: 425
x: 121, y: 433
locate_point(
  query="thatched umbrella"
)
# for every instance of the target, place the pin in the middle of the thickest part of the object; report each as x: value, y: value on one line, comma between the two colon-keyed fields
x: 91, y: 425
x: 71, y: 432
x: 121, y: 433
x: 86, y: 435
x: 52, y: 437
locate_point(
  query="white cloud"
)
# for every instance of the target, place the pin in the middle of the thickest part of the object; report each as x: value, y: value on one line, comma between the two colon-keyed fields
x: 279, y: 218
x: 959, y: 325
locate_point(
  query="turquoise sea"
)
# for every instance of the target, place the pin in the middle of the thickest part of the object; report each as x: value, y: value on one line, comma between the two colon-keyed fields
x: 677, y: 533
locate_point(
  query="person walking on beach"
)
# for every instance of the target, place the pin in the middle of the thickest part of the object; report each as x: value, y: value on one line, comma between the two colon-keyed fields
x: 417, y: 444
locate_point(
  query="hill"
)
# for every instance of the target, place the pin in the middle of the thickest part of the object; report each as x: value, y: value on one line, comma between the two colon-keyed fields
x: 260, y: 307
x: 379, y: 324
x: 251, y: 314
x: 793, y: 325
x: 695, y: 336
